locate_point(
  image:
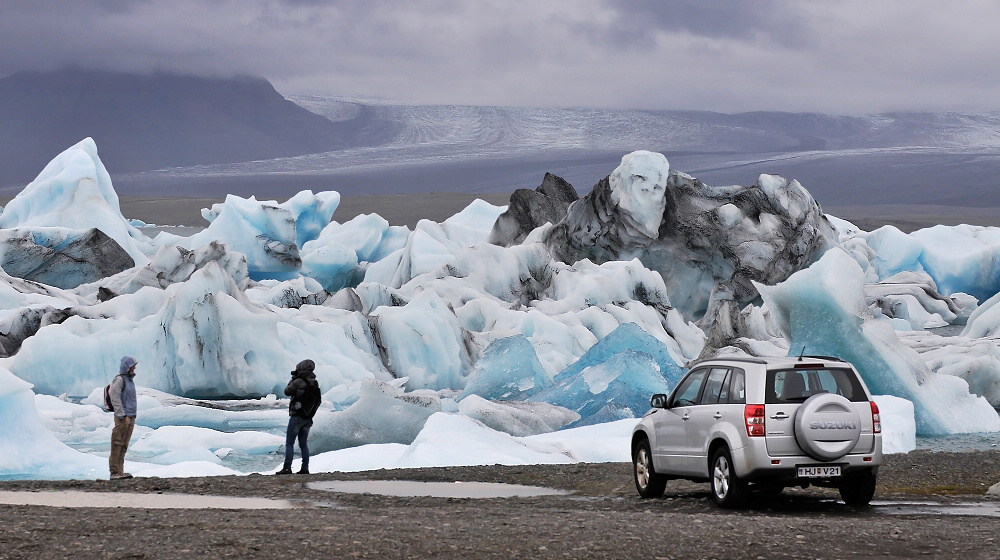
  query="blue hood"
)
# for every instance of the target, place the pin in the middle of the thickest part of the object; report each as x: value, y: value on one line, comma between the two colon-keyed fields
x: 127, y: 363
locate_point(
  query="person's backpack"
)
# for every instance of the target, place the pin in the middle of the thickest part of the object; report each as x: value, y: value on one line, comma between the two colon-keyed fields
x: 310, y: 401
x: 107, y: 396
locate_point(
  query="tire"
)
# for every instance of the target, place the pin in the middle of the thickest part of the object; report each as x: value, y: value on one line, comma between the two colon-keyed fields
x: 827, y: 426
x: 858, y: 491
x: 728, y: 489
x: 647, y: 481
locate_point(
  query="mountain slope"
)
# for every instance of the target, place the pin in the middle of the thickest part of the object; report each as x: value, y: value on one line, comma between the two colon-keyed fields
x: 143, y: 122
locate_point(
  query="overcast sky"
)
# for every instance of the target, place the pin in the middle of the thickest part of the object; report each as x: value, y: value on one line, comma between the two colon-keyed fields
x: 843, y: 56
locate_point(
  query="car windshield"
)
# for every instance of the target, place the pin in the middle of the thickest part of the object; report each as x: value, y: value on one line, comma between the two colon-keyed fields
x: 797, y: 385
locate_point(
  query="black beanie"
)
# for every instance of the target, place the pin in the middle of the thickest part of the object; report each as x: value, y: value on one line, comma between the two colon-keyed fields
x: 305, y: 366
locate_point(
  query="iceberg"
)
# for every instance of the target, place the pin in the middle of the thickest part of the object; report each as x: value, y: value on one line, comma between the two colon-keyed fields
x: 201, y: 443
x: 516, y: 418
x: 198, y: 338
x: 614, y: 379
x: 462, y: 441
x: 821, y: 311
x: 423, y: 342
x: 985, y: 320
x: 75, y: 180
x: 913, y: 297
x: 709, y: 244
x: 383, y: 413
x: 534, y: 332
x: 508, y: 370
x: 960, y: 258
x: 899, y: 430
x: 61, y: 257
x: 27, y: 448
x: 975, y: 360
x: 615, y: 389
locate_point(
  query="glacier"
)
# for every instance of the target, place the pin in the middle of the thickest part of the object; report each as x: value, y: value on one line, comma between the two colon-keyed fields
x: 501, y: 335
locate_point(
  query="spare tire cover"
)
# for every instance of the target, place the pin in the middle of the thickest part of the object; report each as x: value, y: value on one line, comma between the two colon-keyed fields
x: 827, y: 426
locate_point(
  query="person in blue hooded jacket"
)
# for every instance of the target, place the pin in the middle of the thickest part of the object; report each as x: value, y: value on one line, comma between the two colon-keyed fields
x: 123, y: 399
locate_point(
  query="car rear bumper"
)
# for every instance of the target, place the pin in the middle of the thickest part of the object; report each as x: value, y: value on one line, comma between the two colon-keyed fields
x: 752, y: 463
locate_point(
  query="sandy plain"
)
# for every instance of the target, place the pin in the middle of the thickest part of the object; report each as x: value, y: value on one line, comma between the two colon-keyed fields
x: 408, y: 209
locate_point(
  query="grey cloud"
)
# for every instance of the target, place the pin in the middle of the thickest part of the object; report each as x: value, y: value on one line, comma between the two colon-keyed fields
x: 845, y: 56
x: 639, y: 20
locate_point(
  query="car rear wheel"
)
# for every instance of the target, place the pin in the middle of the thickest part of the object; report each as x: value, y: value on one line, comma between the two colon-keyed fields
x: 647, y: 481
x: 728, y: 489
x: 858, y: 491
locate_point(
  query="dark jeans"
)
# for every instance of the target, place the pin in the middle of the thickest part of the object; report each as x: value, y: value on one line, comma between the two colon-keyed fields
x: 297, y: 428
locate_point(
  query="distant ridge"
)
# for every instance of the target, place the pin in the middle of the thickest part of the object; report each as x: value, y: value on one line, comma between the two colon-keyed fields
x: 144, y: 122
x: 183, y: 136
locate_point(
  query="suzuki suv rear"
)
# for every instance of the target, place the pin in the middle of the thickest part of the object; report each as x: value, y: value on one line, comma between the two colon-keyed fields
x: 766, y: 422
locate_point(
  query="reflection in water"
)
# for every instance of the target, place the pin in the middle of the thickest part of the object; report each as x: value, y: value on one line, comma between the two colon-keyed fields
x: 78, y: 499
x: 969, y: 509
x: 411, y: 488
x: 958, y: 443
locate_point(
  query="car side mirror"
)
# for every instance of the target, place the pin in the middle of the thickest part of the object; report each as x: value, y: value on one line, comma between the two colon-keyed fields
x: 658, y: 400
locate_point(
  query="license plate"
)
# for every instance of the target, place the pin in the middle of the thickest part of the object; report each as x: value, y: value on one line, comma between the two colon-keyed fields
x: 818, y: 471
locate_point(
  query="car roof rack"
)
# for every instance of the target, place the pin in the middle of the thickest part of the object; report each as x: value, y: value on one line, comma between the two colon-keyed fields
x: 827, y: 358
x: 745, y: 359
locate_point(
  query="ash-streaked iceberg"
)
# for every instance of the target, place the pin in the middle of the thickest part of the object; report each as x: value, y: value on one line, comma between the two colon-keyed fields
x: 61, y: 257
x: 709, y: 244
x: 267, y: 232
x: 74, y: 191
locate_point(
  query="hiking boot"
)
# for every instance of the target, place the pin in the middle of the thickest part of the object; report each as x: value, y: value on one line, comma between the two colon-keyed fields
x: 303, y: 471
x: 285, y: 470
x: 126, y: 475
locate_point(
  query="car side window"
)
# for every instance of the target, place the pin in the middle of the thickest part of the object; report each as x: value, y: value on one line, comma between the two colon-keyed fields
x: 687, y: 391
x: 714, y: 384
x: 737, y: 388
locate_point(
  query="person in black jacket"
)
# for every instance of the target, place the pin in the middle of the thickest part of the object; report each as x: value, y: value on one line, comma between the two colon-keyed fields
x: 304, y: 390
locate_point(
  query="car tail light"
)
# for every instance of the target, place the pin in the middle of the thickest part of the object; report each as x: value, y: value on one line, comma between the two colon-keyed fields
x: 876, y: 419
x: 754, y: 415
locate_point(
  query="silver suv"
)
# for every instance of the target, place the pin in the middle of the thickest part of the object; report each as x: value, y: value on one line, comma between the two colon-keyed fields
x: 772, y: 422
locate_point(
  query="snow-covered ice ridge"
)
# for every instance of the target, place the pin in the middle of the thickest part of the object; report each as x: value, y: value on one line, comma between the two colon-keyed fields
x: 522, y: 334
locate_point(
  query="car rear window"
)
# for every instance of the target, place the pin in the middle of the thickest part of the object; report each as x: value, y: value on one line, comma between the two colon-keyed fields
x: 797, y: 385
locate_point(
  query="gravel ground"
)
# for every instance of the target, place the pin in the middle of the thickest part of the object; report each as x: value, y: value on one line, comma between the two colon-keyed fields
x: 601, y: 517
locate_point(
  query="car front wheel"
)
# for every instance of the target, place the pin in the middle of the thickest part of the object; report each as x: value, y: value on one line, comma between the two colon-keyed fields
x: 728, y: 489
x: 647, y: 482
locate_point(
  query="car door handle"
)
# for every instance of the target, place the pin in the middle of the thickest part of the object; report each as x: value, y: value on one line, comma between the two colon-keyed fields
x: 779, y: 416
x: 686, y: 416
x: 717, y: 415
